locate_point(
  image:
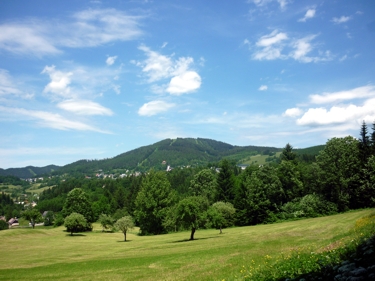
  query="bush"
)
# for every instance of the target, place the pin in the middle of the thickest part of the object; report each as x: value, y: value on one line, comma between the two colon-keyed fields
x: 3, y: 225
x: 311, y: 205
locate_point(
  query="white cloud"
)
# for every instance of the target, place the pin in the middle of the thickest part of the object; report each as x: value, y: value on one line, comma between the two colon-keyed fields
x: 277, y: 44
x: 274, y: 37
x: 293, y: 112
x: 184, y: 83
x: 8, y: 86
x: 310, y: 13
x: 301, y: 48
x: 270, y: 46
x: 84, y: 107
x: 60, y: 81
x: 338, y: 114
x: 356, y: 93
x: 341, y: 19
x: 154, y: 107
x: 261, y: 3
x: 89, y: 28
x: 159, y: 67
x: 110, y: 60
x: 263, y: 88
x: 50, y: 120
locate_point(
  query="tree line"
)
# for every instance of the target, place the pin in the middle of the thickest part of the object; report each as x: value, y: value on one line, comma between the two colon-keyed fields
x: 340, y: 178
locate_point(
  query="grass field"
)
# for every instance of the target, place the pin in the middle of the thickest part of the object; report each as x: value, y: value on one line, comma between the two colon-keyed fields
x: 258, y: 159
x: 52, y: 254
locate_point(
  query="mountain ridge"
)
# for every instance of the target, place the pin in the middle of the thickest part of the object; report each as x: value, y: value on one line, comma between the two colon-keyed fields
x: 174, y: 152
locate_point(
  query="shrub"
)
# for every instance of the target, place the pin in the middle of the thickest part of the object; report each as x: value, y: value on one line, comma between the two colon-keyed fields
x: 3, y: 225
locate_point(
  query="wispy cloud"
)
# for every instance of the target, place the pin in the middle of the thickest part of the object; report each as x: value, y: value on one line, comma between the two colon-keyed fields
x: 49, y: 119
x: 84, y: 107
x: 341, y: 19
x: 154, y: 107
x: 89, y: 28
x: 278, y: 45
x: 263, y: 88
x: 310, y: 13
x: 8, y: 86
x: 334, y: 97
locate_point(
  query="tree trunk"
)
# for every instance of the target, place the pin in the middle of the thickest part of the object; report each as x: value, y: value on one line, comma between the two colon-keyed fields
x: 192, y: 233
x: 221, y: 231
x: 125, y: 236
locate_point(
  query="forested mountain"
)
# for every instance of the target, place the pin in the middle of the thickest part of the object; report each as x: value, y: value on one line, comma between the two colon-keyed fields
x: 173, y: 152
x: 29, y: 171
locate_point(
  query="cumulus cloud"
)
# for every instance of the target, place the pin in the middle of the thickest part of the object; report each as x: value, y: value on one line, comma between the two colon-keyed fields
x: 154, y: 107
x: 110, y: 60
x: 278, y: 45
x: 158, y: 67
x: 341, y: 19
x: 84, y: 107
x: 184, y: 83
x: 339, y: 113
x: 293, y: 112
x: 263, y: 88
x: 89, y: 28
x: 60, y: 81
x: 310, y: 13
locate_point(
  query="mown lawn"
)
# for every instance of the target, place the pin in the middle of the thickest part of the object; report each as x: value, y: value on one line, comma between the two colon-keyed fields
x: 52, y: 254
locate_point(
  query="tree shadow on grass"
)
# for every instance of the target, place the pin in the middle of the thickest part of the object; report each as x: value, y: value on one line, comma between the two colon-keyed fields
x: 75, y: 234
x: 119, y: 241
x: 195, y: 239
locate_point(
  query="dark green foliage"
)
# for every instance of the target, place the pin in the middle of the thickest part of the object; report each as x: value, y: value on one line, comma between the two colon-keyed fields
x: 75, y: 222
x: 29, y: 171
x: 49, y: 218
x: 259, y: 196
x: 152, y: 203
x: 191, y: 213
x: 204, y: 184
x: 78, y: 202
x: 107, y: 222
x: 290, y: 180
x: 311, y: 205
x: 339, y: 162
x: 287, y: 154
x: 33, y: 216
x: 3, y: 225
x: 364, y: 144
x: 225, y: 183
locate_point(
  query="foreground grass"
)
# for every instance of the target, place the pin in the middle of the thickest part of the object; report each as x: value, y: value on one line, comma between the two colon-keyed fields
x: 43, y: 254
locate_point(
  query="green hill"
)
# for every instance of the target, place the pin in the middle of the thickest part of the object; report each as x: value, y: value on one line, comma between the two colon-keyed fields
x: 173, y: 152
x: 29, y: 171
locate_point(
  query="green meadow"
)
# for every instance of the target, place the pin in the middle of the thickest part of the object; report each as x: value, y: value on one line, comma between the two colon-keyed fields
x: 52, y: 254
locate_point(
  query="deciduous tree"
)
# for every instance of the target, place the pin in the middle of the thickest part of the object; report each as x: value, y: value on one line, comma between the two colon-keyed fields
x: 75, y: 222
x: 125, y: 224
x: 152, y: 203
x: 33, y: 216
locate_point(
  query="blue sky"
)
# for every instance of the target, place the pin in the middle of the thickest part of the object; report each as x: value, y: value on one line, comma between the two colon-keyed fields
x: 94, y: 79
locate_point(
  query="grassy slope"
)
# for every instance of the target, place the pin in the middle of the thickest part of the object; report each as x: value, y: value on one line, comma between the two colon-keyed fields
x: 53, y: 254
x: 258, y: 159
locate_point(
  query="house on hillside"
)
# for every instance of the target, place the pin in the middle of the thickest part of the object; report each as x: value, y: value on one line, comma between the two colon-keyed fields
x: 13, y: 222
